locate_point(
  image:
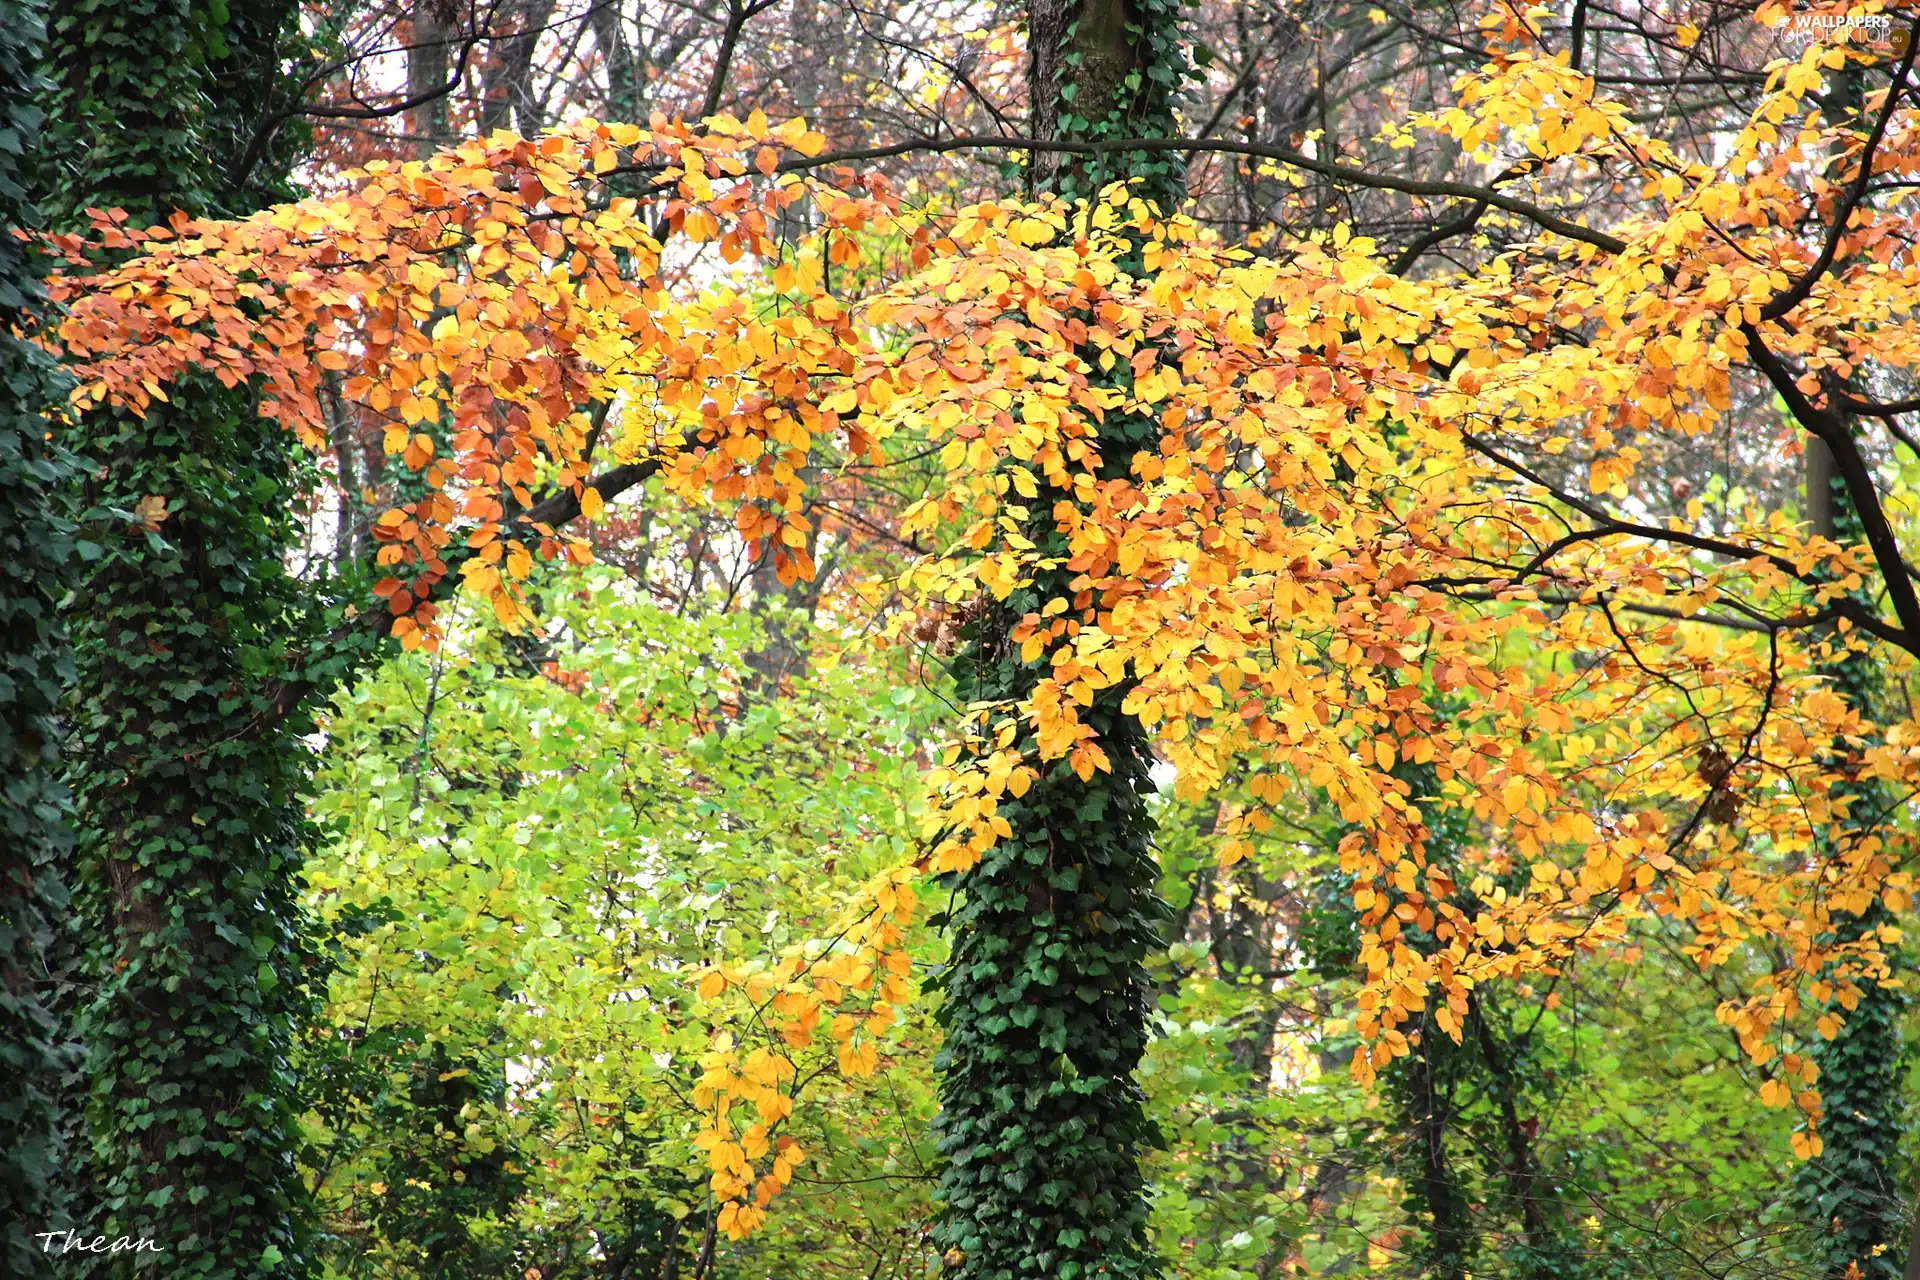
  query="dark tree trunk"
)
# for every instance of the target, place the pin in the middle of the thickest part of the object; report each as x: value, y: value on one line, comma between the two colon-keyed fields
x: 188, y: 966
x: 1046, y: 994
x: 430, y: 64
x: 509, y: 101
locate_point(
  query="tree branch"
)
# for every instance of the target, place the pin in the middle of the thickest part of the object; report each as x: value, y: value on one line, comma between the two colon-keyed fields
x: 1831, y: 428
x: 265, y: 131
x: 1545, y: 219
x: 1906, y: 636
x: 373, y: 626
x: 1781, y: 303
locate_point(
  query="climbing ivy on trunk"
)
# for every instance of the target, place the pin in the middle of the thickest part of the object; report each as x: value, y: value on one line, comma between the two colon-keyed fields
x: 196, y: 655
x: 1850, y: 1195
x: 1046, y: 998
x: 1482, y: 1192
x: 36, y: 551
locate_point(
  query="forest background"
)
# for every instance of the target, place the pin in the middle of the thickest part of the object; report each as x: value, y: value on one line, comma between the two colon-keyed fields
x: 359, y: 926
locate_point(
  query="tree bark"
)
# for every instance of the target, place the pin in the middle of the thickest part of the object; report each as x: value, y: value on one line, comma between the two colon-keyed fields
x: 509, y: 100
x: 187, y: 965
x: 429, y: 68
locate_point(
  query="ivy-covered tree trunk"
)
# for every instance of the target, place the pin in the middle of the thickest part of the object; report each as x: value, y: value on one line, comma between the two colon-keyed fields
x: 1046, y: 998
x: 190, y: 968
x: 35, y: 549
x: 1441, y: 1214
x: 1851, y: 1195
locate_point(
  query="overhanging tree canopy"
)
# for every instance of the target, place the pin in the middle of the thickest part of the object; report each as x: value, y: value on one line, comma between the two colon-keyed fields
x: 1351, y: 543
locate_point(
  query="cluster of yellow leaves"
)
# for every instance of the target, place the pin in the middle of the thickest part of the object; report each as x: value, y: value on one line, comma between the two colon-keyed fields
x: 1327, y: 563
x: 858, y: 980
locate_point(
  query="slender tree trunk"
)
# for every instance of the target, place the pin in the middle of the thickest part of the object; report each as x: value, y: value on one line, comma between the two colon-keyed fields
x: 1448, y: 1247
x: 1046, y: 995
x: 1543, y: 1252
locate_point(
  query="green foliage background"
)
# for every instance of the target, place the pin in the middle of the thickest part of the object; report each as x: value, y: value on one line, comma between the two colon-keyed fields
x: 527, y: 866
x: 526, y: 881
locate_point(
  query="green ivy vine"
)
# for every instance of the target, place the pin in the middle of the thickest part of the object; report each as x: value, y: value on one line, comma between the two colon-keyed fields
x: 1851, y: 1195
x: 1046, y: 994
x: 189, y: 964
x: 36, y: 555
